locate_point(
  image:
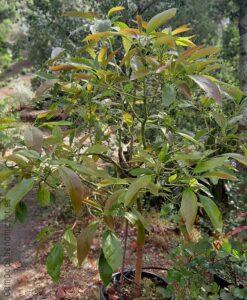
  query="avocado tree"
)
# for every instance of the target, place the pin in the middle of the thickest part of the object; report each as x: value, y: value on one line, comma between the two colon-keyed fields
x: 129, y: 101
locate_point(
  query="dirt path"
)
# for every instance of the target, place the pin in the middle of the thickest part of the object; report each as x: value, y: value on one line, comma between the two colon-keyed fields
x: 17, y: 248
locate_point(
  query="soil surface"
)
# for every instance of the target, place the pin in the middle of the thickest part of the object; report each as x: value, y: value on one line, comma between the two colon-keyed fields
x: 26, y: 260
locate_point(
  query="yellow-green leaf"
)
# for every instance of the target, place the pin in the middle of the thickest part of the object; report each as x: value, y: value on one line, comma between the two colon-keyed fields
x: 160, y: 19
x: 189, y: 208
x: 204, y: 52
x: 4, y: 174
x: 172, y: 178
x: 80, y: 14
x: 139, y: 74
x: 114, y: 10
x: 181, y: 29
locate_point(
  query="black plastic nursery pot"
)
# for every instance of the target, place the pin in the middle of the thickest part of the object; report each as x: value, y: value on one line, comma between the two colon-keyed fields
x: 130, y: 275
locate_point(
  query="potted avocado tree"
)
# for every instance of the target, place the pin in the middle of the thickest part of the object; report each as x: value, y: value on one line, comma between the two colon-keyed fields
x: 129, y: 97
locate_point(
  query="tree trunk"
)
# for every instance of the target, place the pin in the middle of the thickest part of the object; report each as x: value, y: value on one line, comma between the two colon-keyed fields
x: 243, y: 43
x: 243, y: 53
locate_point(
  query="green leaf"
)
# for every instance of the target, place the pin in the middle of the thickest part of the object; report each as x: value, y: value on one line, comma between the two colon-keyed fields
x: 219, y: 118
x: 208, y: 86
x: 43, y: 195
x: 105, y: 270
x: 210, y: 164
x: 14, y: 196
x: 204, y: 52
x: 135, y: 187
x: 172, y: 178
x: 21, y: 212
x: 168, y: 94
x: 114, y: 10
x: 112, y: 250
x: 219, y: 175
x: 96, y: 149
x: 239, y: 157
x: 189, y: 138
x: 29, y: 154
x: 74, y: 187
x: 54, y: 262
x: 85, y: 240
x: 139, y: 74
x: 56, y: 123
x: 141, y: 171
x: 212, y: 211
x: 189, y: 208
x: 160, y: 19
x: 163, y: 152
x: 70, y: 244
x: 137, y: 220
x: 128, y: 118
x: 5, y: 174
x: 33, y: 138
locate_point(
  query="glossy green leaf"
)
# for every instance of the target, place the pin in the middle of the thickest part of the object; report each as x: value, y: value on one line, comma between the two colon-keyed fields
x: 210, y: 164
x: 14, y: 196
x: 172, y: 178
x: 208, y: 86
x: 160, y: 19
x: 189, y: 208
x: 212, y: 211
x: 33, y: 138
x: 105, y: 270
x: 112, y: 250
x: 43, y: 195
x: 135, y: 187
x: 54, y: 262
x: 85, y: 240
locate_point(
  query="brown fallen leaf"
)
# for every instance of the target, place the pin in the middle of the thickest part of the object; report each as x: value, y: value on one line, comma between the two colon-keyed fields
x: 22, y: 279
x: 16, y: 265
x: 60, y: 293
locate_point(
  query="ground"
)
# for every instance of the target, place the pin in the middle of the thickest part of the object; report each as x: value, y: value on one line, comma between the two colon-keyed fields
x: 29, y: 279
